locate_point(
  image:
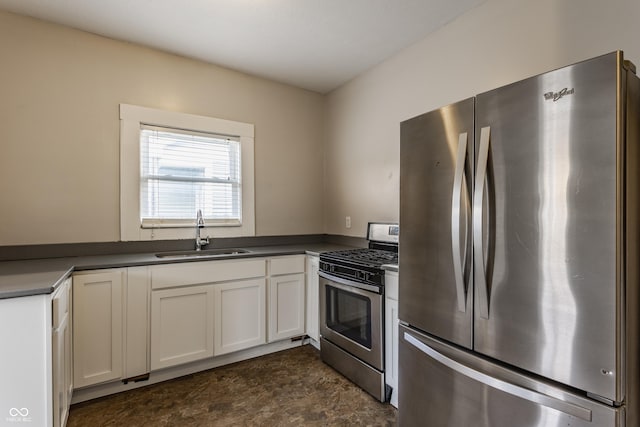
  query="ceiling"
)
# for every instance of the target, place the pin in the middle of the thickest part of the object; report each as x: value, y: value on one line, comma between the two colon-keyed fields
x: 312, y: 44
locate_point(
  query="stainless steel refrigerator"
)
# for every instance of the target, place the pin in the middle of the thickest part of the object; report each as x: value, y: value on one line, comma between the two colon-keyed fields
x: 519, y: 254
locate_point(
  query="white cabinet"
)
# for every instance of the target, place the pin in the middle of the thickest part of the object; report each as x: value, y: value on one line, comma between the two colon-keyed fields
x: 286, y: 306
x: 182, y: 325
x: 35, y: 373
x: 207, y: 308
x: 97, y: 327
x: 130, y: 321
x: 26, y: 370
x: 240, y: 319
x: 313, y: 299
x: 286, y: 297
x: 391, y: 334
x: 110, y: 325
x: 61, y: 344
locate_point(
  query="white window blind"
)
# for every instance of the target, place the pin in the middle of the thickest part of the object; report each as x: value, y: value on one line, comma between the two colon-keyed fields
x: 182, y: 171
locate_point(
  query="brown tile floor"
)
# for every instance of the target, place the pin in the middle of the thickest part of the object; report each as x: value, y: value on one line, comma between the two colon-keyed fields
x: 289, y: 388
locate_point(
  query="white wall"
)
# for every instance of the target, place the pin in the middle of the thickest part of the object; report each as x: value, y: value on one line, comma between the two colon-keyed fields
x: 60, y: 89
x: 499, y: 42
x: 59, y: 131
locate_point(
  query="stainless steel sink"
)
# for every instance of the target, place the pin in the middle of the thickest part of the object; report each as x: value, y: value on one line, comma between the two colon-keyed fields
x: 205, y: 253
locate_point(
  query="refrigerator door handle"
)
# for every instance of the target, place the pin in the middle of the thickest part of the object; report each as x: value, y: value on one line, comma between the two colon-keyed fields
x: 456, y: 212
x: 507, y: 387
x: 478, y: 201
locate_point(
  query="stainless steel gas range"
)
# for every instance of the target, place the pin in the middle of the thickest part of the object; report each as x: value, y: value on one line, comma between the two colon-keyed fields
x: 352, y: 308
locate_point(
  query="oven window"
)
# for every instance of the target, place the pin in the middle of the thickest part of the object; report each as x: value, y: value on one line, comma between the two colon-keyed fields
x: 349, y: 315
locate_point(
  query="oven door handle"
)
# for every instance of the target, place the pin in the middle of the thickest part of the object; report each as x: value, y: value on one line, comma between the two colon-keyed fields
x: 349, y: 283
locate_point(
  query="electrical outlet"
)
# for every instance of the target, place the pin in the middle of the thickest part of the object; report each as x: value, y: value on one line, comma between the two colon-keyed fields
x: 347, y: 222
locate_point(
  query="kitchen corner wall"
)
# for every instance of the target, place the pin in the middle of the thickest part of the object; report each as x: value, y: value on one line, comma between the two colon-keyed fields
x: 498, y: 42
x: 59, y: 131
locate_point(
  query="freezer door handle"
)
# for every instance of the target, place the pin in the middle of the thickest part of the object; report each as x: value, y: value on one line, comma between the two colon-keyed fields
x: 478, y: 202
x: 456, y: 212
x: 507, y: 387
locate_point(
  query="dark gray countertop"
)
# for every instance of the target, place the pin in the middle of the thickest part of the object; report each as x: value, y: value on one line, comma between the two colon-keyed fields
x: 42, y: 276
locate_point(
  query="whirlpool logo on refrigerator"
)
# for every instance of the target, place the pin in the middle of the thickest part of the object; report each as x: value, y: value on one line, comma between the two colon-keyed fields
x: 18, y: 415
x: 556, y: 96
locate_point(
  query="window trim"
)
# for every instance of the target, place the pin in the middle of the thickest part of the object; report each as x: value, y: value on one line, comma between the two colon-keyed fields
x: 131, y: 118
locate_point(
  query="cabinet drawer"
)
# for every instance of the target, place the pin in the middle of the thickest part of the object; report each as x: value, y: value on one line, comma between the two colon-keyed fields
x: 287, y: 265
x: 192, y: 273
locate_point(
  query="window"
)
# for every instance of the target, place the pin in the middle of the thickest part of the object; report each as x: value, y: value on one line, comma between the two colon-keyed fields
x: 183, y: 171
x: 174, y: 164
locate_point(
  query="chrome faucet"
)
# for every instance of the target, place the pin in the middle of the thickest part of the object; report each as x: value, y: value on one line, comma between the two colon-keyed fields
x: 200, y: 242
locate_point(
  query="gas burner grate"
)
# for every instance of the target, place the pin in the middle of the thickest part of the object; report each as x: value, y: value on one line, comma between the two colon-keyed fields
x: 371, y: 257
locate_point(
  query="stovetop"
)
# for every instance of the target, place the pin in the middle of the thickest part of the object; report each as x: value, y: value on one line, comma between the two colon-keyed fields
x: 365, y: 257
x: 365, y: 265
x: 358, y: 265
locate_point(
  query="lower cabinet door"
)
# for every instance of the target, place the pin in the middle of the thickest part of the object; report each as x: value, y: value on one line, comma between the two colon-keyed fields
x: 59, y: 395
x: 181, y: 325
x: 391, y: 348
x: 61, y: 357
x: 239, y: 315
x: 286, y: 306
x: 68, y: 351
x: 313, y: 299
x: 97, y: 327
x: 61, y: 354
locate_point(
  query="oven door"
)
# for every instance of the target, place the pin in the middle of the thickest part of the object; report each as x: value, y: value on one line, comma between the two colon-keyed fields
x: 351, y: 318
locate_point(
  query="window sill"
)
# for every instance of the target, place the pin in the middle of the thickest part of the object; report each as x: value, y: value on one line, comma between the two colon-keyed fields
x: 208, y: 224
